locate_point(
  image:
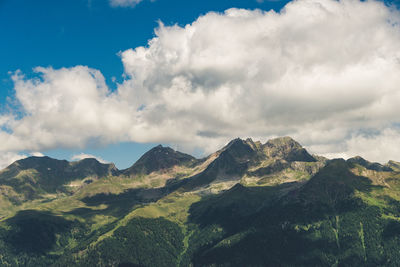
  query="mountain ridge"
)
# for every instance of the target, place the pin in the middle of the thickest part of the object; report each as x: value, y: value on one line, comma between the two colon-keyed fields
x: 247, y: 204
x: 257, y: 145
x: 158, y: 158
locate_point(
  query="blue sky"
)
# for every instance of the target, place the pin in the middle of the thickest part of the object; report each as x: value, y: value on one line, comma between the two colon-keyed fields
x: 66, y: 33
x: 322, y: 71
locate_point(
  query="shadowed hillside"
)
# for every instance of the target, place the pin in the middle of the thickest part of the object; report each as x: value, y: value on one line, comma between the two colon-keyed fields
x: 159, y: 158
x: 36, y: 176
x: 248, y: 204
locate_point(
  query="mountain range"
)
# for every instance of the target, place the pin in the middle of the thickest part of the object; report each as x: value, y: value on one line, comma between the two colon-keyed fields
x: 247, y: 204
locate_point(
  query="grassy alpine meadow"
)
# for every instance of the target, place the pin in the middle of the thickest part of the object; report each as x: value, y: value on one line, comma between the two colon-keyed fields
x: 239, y: 207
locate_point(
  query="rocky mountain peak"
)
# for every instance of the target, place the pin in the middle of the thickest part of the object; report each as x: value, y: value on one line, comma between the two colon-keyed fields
x: 239, y: 149
x: 158, y: 158
x: 91, y: 166
x: 288, y: 149
x: 255, y: 145
x: 368, y: 165
x: 38, y: 163
x: 284, y: 142
x: 41, y: 175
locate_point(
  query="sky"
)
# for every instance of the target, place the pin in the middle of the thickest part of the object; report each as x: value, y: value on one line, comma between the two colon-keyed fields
x: 113, y: 78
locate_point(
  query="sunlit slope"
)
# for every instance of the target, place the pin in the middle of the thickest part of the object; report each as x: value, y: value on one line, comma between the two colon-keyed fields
x: 248, y: 204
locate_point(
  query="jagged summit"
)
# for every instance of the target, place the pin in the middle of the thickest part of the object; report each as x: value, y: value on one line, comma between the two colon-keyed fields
x: 236, y: 155
x: 239, y: 148
x: 285, y: 148
x: 246, y: 158
x: 254, y: 145
x: 288, y: 149
x: 284, y: 140
x: 158, y: 158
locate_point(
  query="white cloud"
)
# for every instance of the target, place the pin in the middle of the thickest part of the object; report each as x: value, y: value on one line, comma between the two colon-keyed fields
x: 37, y: 154
x: 65, y: 107
x: 124, y: 3
x: 373, y: 146
x: 6, y: 158
x: 325, y: 72
x: 87, y: 156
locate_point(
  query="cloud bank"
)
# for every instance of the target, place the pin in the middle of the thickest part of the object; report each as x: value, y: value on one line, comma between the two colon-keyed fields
x: 322, y: 71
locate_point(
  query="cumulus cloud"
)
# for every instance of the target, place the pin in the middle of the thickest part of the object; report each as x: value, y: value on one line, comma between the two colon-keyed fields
x: 6, y: 158
x: 87, y: 156
x: 67, y: 108
x: 325, y: 72
x: 373, y: 146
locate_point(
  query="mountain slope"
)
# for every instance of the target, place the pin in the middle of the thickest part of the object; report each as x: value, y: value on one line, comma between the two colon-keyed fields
x: 248, y: 162
x: 35, y: 176
x: 325, y: 222
x: 287, y: 149
x: 248, y: 204
x: 159, y: 158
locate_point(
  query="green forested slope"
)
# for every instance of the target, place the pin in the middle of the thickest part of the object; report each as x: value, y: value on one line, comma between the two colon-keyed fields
x: 248, y: 204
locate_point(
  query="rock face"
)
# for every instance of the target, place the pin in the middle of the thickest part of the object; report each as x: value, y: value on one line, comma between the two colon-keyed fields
x: 235, y: 157
x: 288, y: 149
x: 369, y: 165
x: 159, y: 158
x: 282, y: 154
x: 394, y: 165
x: 246, y: 158
x: 274, y: 166
x: 231, y: 162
